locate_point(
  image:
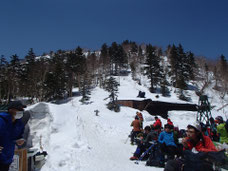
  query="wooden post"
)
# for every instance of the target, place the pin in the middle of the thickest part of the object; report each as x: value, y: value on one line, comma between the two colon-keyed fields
x: 22, y: 153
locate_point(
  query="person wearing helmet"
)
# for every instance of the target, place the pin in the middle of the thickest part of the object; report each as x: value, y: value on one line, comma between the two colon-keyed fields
x: 195, y: 139
x: 221, y: 130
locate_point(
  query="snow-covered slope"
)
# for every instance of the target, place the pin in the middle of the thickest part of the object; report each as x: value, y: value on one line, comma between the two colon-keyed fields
x: 76, y: 139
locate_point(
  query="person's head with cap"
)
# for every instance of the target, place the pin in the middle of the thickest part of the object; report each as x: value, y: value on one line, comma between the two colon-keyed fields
x: 155, y: 118
x: 168, y: 128
x: 219, y: 120
x: 194, y: 131
x: 16, y: 108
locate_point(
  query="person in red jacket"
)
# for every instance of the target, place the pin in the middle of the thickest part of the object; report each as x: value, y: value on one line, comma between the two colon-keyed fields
x: 169, y: 122
x: 136, y: 129
x: 157, y: 124
x: 195, y: 139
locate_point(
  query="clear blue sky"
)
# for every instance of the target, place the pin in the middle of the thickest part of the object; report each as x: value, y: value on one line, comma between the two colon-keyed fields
x: 199, y: 25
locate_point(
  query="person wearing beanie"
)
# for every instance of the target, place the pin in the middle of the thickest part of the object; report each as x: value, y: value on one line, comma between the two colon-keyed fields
x: 169, y: 122
x: 167, y: 143
x: 221, y: 130
x: 11, y: 131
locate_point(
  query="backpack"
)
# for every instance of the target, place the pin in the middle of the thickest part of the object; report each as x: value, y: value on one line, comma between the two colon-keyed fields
x: 156, y: 157
x: 202, y: 160
x: 226, y: 125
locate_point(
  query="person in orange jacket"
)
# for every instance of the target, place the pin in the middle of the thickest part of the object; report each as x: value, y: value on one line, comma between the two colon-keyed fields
x: 136, y: 129
x: 139, y: 114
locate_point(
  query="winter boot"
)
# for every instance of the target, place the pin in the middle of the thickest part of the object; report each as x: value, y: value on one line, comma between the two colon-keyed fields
x: 134, y: 158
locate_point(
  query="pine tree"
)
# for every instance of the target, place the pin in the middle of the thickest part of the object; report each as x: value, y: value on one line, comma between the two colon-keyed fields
x: 140, y: 55
x: 85, y: 90
x: 42, y: 64
x: 122, y: 58
x: 81, y: 67
x: 134, y: 47
x: 13, y: 76
x: 223, y: 66
x: 164, y: 84
x: 118, y: 58
x: 182, y: 73
x: 113, y: 57
x: 206, y: 68
x: 105, y: 61
x: 152, y: 69
x: 104, y: 57
x: 71, y: 69
x: 3, y: 79
x: 30, y: 74
x: 173, y: 58
x: 55, y: 83
x: 111, y: 85
x: 191, y: 65
x: 216, y: 77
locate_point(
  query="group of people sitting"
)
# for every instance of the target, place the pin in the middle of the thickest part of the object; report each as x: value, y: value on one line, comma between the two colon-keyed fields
x: 170, y: 147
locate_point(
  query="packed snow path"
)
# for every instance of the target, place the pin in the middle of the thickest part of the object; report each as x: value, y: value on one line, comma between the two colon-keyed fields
x: 76, y: 139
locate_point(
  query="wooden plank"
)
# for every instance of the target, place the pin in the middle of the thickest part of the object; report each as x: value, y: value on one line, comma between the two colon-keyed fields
x: 22, y: 153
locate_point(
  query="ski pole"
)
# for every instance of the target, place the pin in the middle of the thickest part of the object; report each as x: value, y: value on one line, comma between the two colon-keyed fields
x: 143, y: 155
x: 126, y: 140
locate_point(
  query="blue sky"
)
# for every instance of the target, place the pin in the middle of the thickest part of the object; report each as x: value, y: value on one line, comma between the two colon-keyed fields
x: 44, y: 25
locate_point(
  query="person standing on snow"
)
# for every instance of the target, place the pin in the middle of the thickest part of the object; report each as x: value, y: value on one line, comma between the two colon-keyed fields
x: 136, y: 129
x: 11, y: 130
x: 139, y: 114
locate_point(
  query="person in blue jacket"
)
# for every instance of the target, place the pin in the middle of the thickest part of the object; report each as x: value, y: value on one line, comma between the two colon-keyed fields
x: 167, y: 143
x: 11, y: 130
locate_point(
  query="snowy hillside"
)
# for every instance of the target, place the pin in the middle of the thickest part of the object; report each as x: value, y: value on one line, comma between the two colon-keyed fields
x: 76, y: 139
